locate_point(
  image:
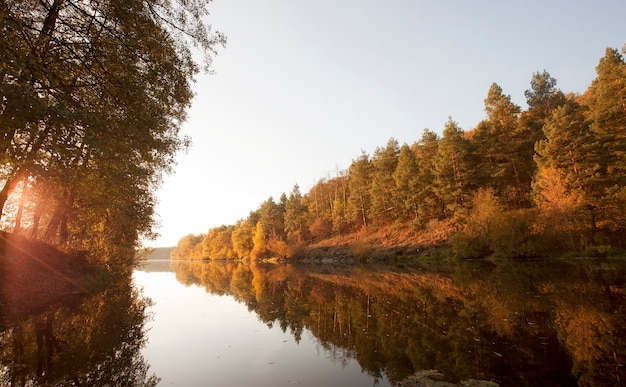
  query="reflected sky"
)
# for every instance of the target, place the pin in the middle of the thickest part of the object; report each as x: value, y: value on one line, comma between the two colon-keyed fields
x: 199, y: 339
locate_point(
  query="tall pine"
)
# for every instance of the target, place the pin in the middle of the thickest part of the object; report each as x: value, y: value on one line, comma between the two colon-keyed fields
x: 406, y: 177
x: 383, y: 186
x: 606, y: 101
x: 453, y: 170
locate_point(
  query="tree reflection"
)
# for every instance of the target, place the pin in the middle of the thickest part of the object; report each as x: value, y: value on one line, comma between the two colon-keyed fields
x: 94, y: 341
x: 526, y: 324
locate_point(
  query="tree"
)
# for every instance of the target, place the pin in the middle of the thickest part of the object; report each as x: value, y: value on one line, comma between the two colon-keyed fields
x: 186, y: 247
x: 542, y: 98
x: 384, y: 164
x: 568, y: 145
x: 359, y: 199
x: 406, y: 177
x: 217, y: 243
x: 295, y: 215
x: 559, y: 204
x: 453, y: 174
x: 480, y: 236
x: 259, y: 242
x: 271, y: 215
x: 606, y: 102
x: 499, y: 144
x: 430, y: 205
x: 242, y: 239
x: 96, y: 91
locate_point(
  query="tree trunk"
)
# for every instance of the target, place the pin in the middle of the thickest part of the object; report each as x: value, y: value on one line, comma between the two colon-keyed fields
x: 55, y: 225
x: 20, y: 208
x: 9, y: 186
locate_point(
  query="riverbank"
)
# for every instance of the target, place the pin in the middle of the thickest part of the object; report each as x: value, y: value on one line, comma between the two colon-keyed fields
x: 34, y: 275
x: 382, y: 244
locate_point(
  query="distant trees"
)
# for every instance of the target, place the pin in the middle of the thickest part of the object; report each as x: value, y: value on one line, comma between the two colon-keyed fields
x: 544, y: 180
x: 93, y: 95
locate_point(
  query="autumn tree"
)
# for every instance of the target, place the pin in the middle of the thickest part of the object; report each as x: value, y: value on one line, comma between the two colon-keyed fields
x: 271, y: 216
x: 217, y: 243
x: 481, y: 224
x: 295, y: 215
x: 242, y: 238
x: 259, y: 249
x: 188, y: 247
x: 560, y: 207
x: 359, y: 199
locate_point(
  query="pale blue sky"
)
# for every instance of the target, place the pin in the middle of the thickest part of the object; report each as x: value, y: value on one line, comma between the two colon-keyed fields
x: 303, y: 86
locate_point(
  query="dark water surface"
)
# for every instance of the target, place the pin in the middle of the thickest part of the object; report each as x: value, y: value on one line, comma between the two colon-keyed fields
x: 231, y: 324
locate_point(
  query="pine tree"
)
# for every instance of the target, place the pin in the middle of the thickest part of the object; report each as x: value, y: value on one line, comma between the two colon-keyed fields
x: 606, y: 100
x: 430, y: 205
x: 542, y: 98
x: 295, y: 215
x: 359, y: 198
x: 499, y: 144
x: 453, y: 174
x: 406, y: 177
x: 568, y: 145
x: 384, y: 164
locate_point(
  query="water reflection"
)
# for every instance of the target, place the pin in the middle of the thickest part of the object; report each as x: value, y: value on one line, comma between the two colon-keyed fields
x: 539, y: 323
x: 88, y: 341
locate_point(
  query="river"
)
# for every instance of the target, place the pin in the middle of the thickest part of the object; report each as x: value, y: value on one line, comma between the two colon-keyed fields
x: 519, y: 324
x: 200, y: 338
x: 547, y: 323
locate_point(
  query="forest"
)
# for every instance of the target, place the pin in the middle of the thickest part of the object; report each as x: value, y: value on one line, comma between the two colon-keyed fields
x: 546, y: 181
x: 92, y: 97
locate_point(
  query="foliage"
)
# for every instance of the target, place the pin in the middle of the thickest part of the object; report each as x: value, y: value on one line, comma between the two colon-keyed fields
x: 93, y: 96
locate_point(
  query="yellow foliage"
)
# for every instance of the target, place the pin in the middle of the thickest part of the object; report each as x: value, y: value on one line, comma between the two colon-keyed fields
x: 560, y: 206
x: 552, y: 194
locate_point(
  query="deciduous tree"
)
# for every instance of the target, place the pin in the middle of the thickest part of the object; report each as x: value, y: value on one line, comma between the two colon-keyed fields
x: 97, y: 90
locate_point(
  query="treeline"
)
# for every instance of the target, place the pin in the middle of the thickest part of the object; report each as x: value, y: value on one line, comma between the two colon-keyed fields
x: 92, y: 96
x: 546, y: 180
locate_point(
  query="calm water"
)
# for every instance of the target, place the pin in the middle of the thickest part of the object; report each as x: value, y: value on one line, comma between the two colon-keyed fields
x: 231, y: 324
x: 208, y: 338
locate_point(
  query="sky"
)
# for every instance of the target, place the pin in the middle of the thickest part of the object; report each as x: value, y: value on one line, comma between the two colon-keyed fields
x: 304, y: 87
